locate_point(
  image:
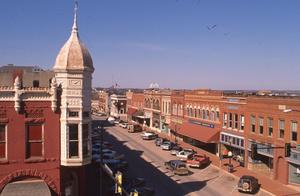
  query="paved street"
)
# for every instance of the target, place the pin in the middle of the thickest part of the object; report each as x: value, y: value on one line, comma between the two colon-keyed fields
x: 147, y: 161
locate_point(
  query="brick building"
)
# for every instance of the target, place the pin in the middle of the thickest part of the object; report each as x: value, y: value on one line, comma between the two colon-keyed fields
x: 45, y: 125
x: 219, y: 123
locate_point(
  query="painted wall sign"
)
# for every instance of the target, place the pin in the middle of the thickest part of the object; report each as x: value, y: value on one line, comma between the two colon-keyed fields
x: 202, y: 123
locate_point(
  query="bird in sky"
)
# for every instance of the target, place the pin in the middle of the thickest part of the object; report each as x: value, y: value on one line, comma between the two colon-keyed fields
x: 211, y: 27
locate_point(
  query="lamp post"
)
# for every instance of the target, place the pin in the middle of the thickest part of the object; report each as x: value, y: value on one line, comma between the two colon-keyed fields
x: 230, y: 166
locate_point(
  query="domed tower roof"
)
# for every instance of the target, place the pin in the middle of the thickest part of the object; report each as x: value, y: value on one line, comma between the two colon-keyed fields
x: 74, y: 56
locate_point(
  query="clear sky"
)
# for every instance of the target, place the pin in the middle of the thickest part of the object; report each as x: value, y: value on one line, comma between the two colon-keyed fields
x: 218, y: 44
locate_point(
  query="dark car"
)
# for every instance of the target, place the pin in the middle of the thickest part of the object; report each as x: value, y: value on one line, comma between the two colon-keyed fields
x: 175, y: 149
x: 177, y: 167
x: 248, y: 184
x: 158, y: 141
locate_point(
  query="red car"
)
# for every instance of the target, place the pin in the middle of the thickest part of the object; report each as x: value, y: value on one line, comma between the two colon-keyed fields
x: 198, y: 161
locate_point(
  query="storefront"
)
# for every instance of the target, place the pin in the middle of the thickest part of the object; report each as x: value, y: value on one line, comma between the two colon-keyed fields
x: 235, y: 144
x: 164, y: 127
x: 200, y: 134
x: 264, y: 160
x: 294, y: 167
x: 155, y: 120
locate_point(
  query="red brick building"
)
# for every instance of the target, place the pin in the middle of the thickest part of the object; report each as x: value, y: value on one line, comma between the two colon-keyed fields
x: 29, y: 135
x: 45, y: 126
x: 220, y: 123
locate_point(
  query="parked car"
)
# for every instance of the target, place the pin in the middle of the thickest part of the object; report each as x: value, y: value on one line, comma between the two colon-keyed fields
x: 197, y: 161
x: 177, y: 166
x: 123, y: 125
x: 184, y: 155
x: 175, y: 149
x: 248, y: 184
x: 158, y: 141
x: 166, y: 145
x: 111, y: 120
x: 148, y: 135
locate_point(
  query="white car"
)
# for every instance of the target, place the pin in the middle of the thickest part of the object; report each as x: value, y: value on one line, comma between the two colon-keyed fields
x: 123, y: 125
x: 167, y: 145
x: 184, y: 155
x: 148, y: 135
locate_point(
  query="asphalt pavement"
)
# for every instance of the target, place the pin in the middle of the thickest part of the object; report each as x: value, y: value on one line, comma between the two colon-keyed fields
x: 147, y: 161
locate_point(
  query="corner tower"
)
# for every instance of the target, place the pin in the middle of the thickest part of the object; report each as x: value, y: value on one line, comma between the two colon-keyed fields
x: 73, y: 71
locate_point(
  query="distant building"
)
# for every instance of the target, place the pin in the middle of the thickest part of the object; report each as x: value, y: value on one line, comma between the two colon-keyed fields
x: 118, y: 106
x: 104, y: 102
x: 30, y: 76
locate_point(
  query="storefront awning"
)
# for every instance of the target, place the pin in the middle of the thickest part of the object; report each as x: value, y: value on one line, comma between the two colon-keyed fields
x: 200, y: 133
x: 21, y: 188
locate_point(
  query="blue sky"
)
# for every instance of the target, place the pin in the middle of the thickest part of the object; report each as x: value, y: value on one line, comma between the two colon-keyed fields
x: 254, y: 45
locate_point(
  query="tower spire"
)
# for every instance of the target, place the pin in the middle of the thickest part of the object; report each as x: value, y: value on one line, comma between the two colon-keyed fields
x: 75, y: 28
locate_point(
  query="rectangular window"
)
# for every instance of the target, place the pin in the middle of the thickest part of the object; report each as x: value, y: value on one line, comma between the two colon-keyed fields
x: 281, y: 128
x: 261, y: 125
x: 230, y: 120
x: 2, y: 141
x: 85, y: 140
x: 73, y: 140
x: 36, y: 83
x: 294, y: 127
x: 73, y: 114
x: 34, y: 142
x: 242, y: 122
x: 242, y: 143
x: 270, y: 127
x: 218, y: 116
x: 252, y: 121
x: 236, y: 120
x: 225, y: 120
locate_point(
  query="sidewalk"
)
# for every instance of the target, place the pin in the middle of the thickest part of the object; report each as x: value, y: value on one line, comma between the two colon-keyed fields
x: 267, y: 184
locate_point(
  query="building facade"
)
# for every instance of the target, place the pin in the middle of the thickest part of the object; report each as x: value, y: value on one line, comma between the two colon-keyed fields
x: 118, y: 107
x: 45, y: 125
x: 220, y: 123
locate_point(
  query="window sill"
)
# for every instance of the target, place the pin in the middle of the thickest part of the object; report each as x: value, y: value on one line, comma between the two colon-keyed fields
x: 34, y: 160
x: 3, y: 161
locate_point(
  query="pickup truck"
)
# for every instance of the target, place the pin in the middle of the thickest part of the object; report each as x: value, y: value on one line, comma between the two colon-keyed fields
x: 184, y: 155
x: 197, y: 161
x: 178, y: 167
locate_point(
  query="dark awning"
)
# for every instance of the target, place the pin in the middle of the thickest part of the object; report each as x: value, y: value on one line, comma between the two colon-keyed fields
x: 200, y: 133
x: 26, y: 188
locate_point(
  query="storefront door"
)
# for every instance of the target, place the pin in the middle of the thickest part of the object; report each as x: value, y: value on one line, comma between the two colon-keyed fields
x: 294, y: 173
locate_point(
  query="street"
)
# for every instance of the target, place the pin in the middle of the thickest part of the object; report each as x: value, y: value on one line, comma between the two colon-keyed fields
x: 147, y: 160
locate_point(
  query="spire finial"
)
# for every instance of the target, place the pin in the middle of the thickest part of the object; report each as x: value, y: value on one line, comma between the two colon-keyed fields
x: 75, y: 28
